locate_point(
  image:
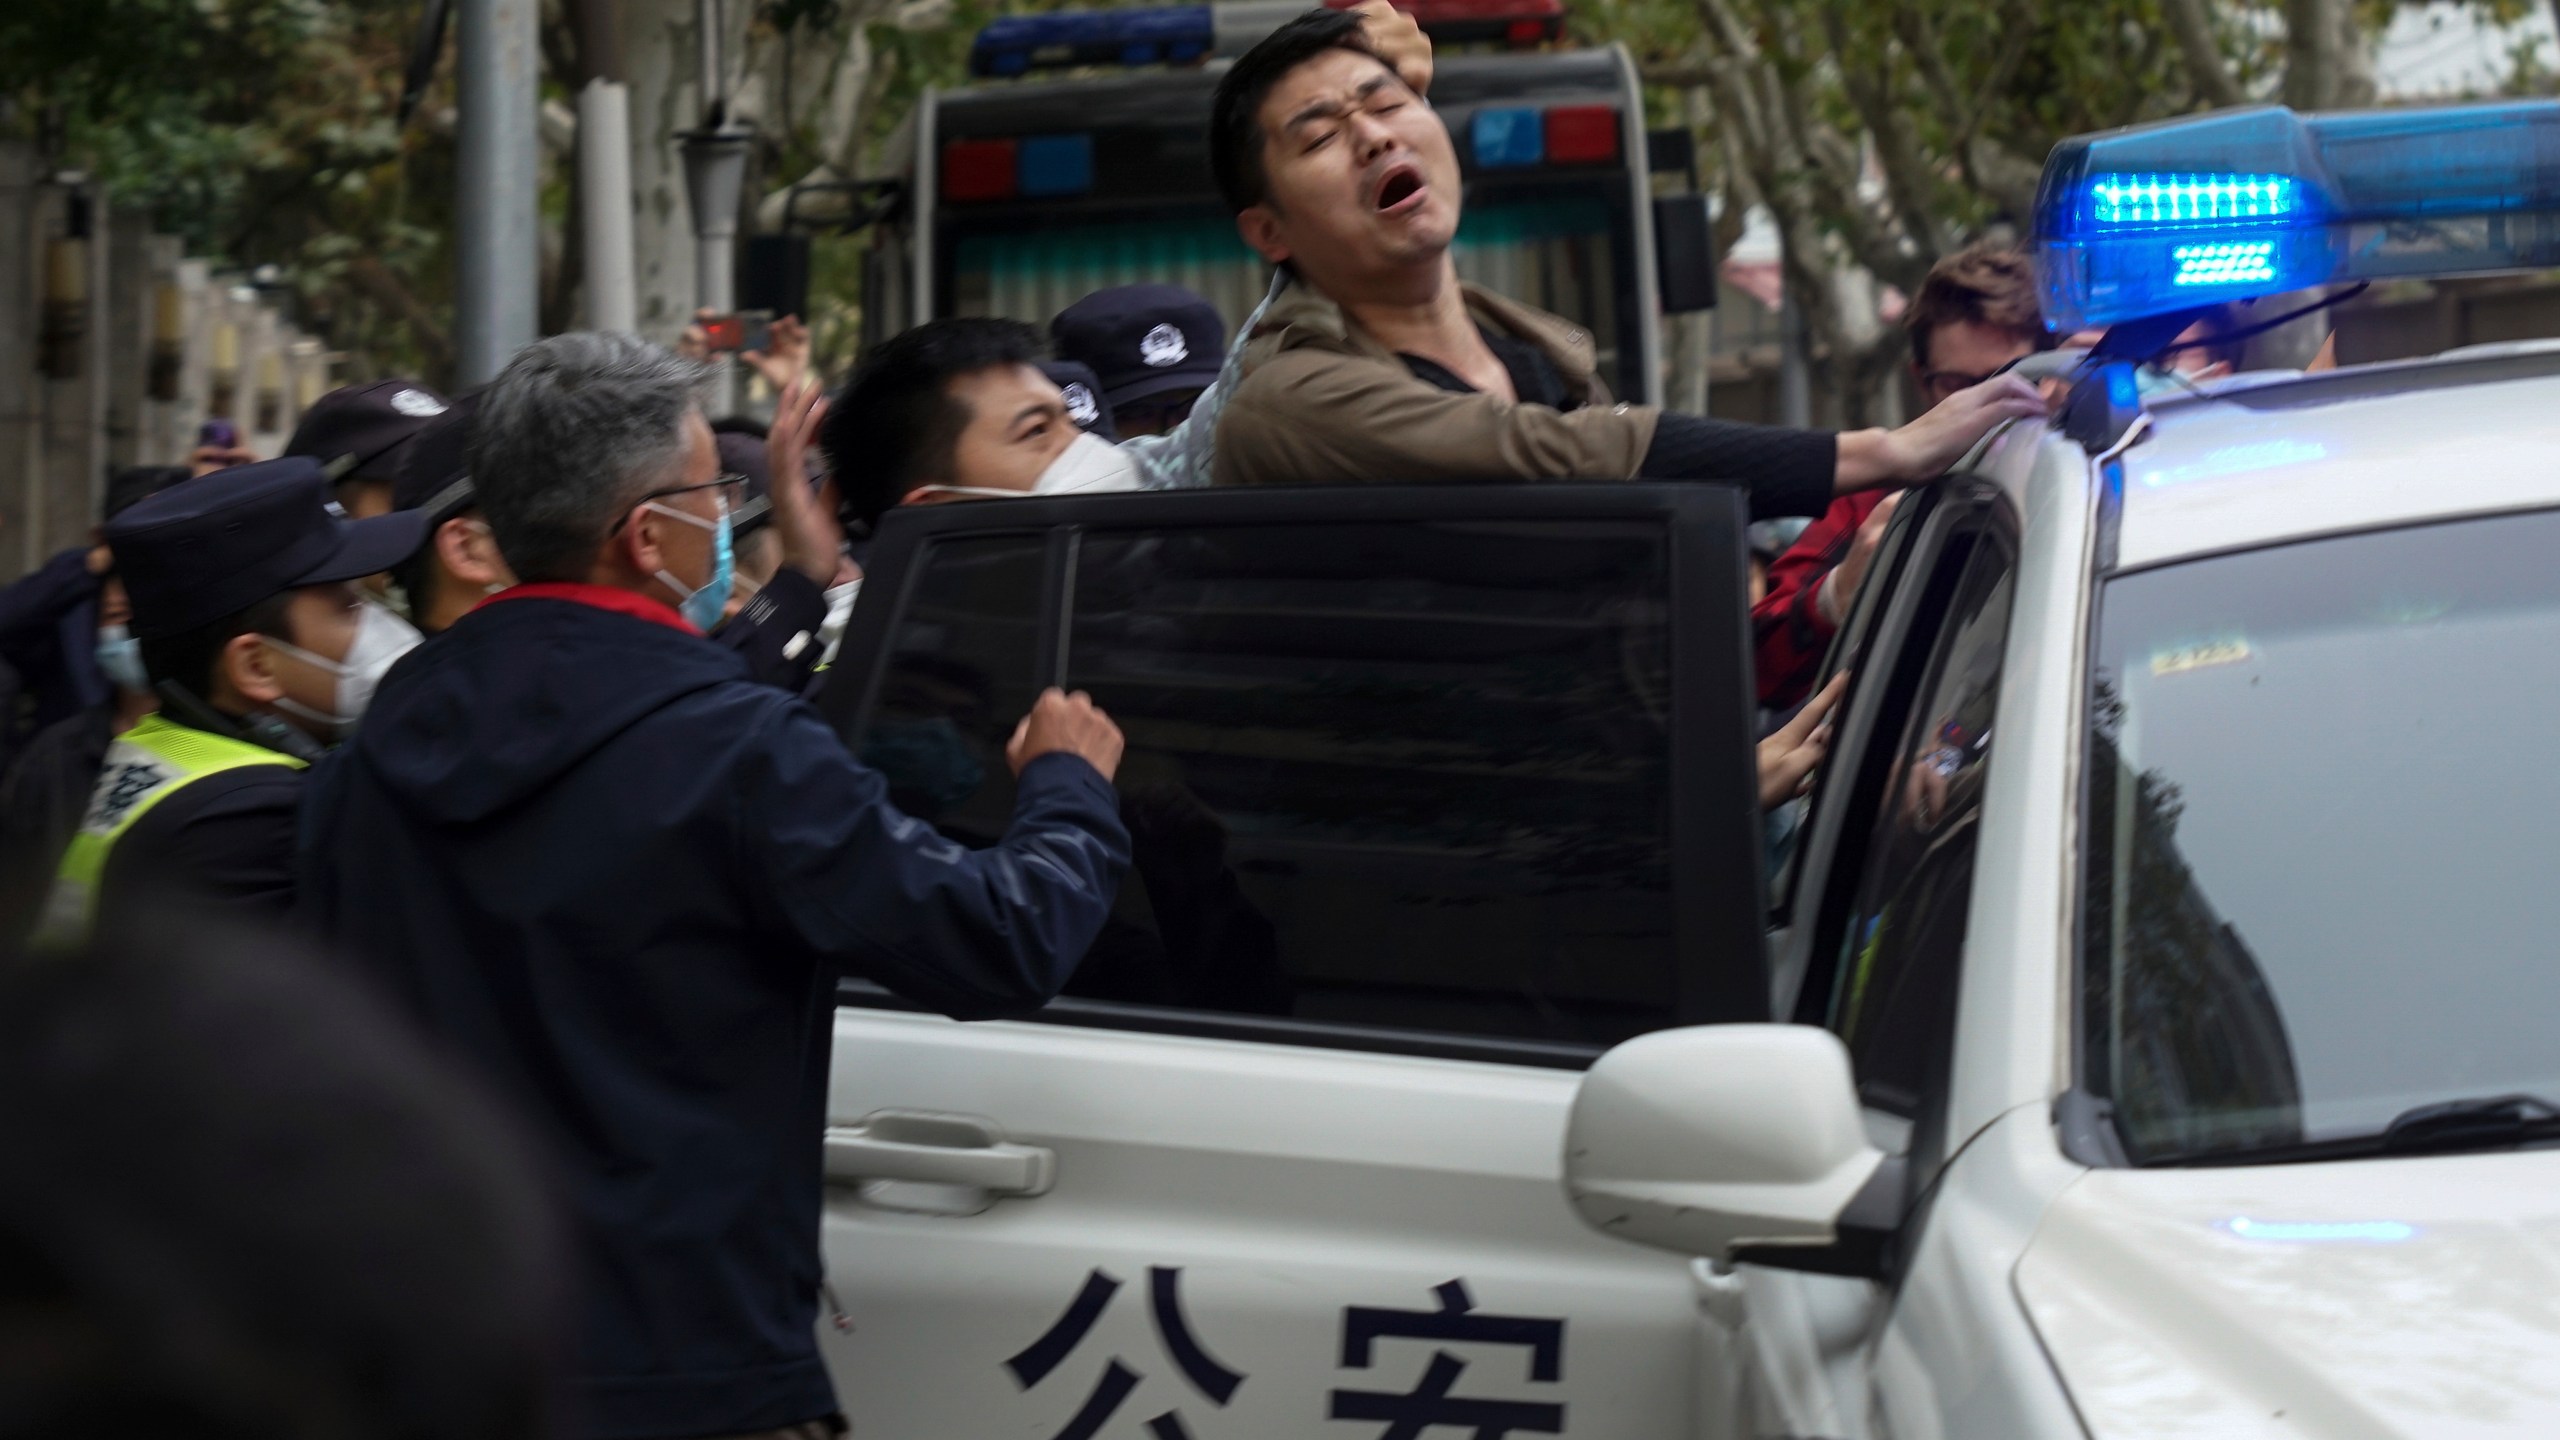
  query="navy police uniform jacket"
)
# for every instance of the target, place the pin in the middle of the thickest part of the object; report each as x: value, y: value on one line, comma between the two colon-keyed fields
x: 623, y: 878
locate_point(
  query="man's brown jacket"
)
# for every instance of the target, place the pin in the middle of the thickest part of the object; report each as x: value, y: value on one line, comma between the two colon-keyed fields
x: 1323, y: 403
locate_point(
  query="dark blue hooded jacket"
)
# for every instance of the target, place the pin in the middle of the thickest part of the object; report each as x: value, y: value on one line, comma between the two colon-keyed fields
x: 623, y: 879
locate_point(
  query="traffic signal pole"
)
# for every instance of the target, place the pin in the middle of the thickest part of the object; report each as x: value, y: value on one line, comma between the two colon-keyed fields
x: 497, y: 290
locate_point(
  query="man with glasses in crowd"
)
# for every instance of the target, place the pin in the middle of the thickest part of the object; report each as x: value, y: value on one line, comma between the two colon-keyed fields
x: 583, y: 846
x: 1975, y: 315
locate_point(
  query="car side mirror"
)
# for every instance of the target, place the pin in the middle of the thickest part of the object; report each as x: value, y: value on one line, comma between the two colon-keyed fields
x: 1735, y: 1142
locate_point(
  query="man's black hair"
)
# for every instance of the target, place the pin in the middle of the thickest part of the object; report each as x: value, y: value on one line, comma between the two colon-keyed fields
x: 894, y: 425
x: 1235, y: 128
x: 188, y: 657
x: 741, y: 425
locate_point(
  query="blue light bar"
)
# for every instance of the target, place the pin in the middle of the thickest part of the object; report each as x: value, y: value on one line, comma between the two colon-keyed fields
x: 1017, y: 44
x: 2130, y: 200
x: 2166, y: 217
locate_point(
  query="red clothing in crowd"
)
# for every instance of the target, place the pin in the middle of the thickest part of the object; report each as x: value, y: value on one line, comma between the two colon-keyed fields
x: 1789, y: 631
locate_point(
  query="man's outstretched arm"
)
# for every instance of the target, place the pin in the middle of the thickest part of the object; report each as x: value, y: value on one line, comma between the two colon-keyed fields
x: 881, y: 895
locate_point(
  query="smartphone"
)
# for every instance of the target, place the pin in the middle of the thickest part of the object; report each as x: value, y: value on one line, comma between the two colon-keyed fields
x: 218, y: 434
x: 743, y: 330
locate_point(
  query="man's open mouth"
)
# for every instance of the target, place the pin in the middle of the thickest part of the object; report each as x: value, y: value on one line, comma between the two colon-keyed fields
x: 1399, y: 188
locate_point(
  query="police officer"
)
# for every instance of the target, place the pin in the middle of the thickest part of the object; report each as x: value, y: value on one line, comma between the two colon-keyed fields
x: 263, y: 651
x: 1082, y: 390
x: 360, y: 434
x: 458, y: 566
x: 1155, y: 347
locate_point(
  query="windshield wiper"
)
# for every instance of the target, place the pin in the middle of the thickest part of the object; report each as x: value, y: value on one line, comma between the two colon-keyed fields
x: 2479, y: 1124
x: 2486, y: 1122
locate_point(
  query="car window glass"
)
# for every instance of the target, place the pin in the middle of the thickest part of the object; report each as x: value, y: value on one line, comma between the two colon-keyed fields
x: 1910, y: 517
x: 1892, y: 1000
x: 1412, y: 775
x: 2317, y: 827
x: 961, y: 674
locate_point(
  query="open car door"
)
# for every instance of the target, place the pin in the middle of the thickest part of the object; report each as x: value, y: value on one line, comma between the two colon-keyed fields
x: 1436, y: 794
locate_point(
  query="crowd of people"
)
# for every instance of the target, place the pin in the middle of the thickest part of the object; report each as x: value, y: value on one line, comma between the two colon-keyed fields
x: 498, y: 701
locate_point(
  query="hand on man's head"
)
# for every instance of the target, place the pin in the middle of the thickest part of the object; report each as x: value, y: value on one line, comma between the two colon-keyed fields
x: 1397, y: 39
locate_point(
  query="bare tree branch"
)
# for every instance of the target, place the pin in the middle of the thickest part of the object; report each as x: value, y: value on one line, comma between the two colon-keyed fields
x: 1908, y: 178
x: 2356, y: 84
x: 1995, y: 82
x: 377, y: 283
x: 2008, y: 178
x: 1695, y: 74
x: 2312, y: 43
x: 2193, y: 27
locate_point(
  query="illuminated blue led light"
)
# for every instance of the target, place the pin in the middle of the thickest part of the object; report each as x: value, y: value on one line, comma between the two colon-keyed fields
x: 2229, y: 262
x: 2120, y: 200
x: 2381, y: 1232
x: 2126, y: 222
x: 2124, y: 390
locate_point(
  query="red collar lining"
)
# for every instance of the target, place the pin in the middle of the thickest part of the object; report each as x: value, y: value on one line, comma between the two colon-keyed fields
x: 602, y: 597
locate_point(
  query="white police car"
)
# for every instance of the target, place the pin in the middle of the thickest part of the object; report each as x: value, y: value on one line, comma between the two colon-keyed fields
x: 2169, y: 933
x: 2178, y: 913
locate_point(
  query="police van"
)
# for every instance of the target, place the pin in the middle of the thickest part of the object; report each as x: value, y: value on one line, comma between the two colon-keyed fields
x: 2150, y: 1034
x: 1020, y: 195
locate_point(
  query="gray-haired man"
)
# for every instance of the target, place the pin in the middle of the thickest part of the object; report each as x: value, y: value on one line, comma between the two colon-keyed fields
x: 591, y: 853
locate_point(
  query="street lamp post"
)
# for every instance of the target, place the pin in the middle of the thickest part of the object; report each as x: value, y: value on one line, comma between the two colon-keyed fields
x: 498, y: 292
x: 715, y: 174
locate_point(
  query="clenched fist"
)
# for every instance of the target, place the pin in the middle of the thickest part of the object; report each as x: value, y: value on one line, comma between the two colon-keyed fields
x: 1072, y: 723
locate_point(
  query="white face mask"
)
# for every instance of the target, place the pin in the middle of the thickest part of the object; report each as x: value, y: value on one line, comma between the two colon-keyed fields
x: 1090, y: 465
x: 381, y: 639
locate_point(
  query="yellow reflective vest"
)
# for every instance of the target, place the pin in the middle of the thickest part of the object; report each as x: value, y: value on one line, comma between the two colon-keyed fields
x: 146, y: 765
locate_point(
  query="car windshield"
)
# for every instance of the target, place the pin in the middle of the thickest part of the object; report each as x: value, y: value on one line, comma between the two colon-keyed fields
x: 2320, y: 832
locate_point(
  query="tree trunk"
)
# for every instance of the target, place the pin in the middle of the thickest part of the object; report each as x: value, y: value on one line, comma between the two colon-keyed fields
x: 658, y: 58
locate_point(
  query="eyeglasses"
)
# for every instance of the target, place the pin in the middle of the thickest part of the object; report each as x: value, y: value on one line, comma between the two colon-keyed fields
x: 1946, y: 384
x: 729, y: 488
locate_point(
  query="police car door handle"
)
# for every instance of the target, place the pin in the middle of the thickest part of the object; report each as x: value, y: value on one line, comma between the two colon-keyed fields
x: 938, y: 1150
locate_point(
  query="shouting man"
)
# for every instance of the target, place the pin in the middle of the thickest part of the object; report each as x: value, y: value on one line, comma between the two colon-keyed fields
x: 1379, y: 366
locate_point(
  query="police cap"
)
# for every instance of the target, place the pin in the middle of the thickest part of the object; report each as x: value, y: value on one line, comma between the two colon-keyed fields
x: 356, y: 431
x: 214, y: 546
x: 1143, y: 340
x: 434, y: 478
x: 1083, y: 390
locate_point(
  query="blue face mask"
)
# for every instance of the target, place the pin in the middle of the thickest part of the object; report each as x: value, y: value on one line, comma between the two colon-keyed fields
x: 701, y: 606
x: 120, y: 655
